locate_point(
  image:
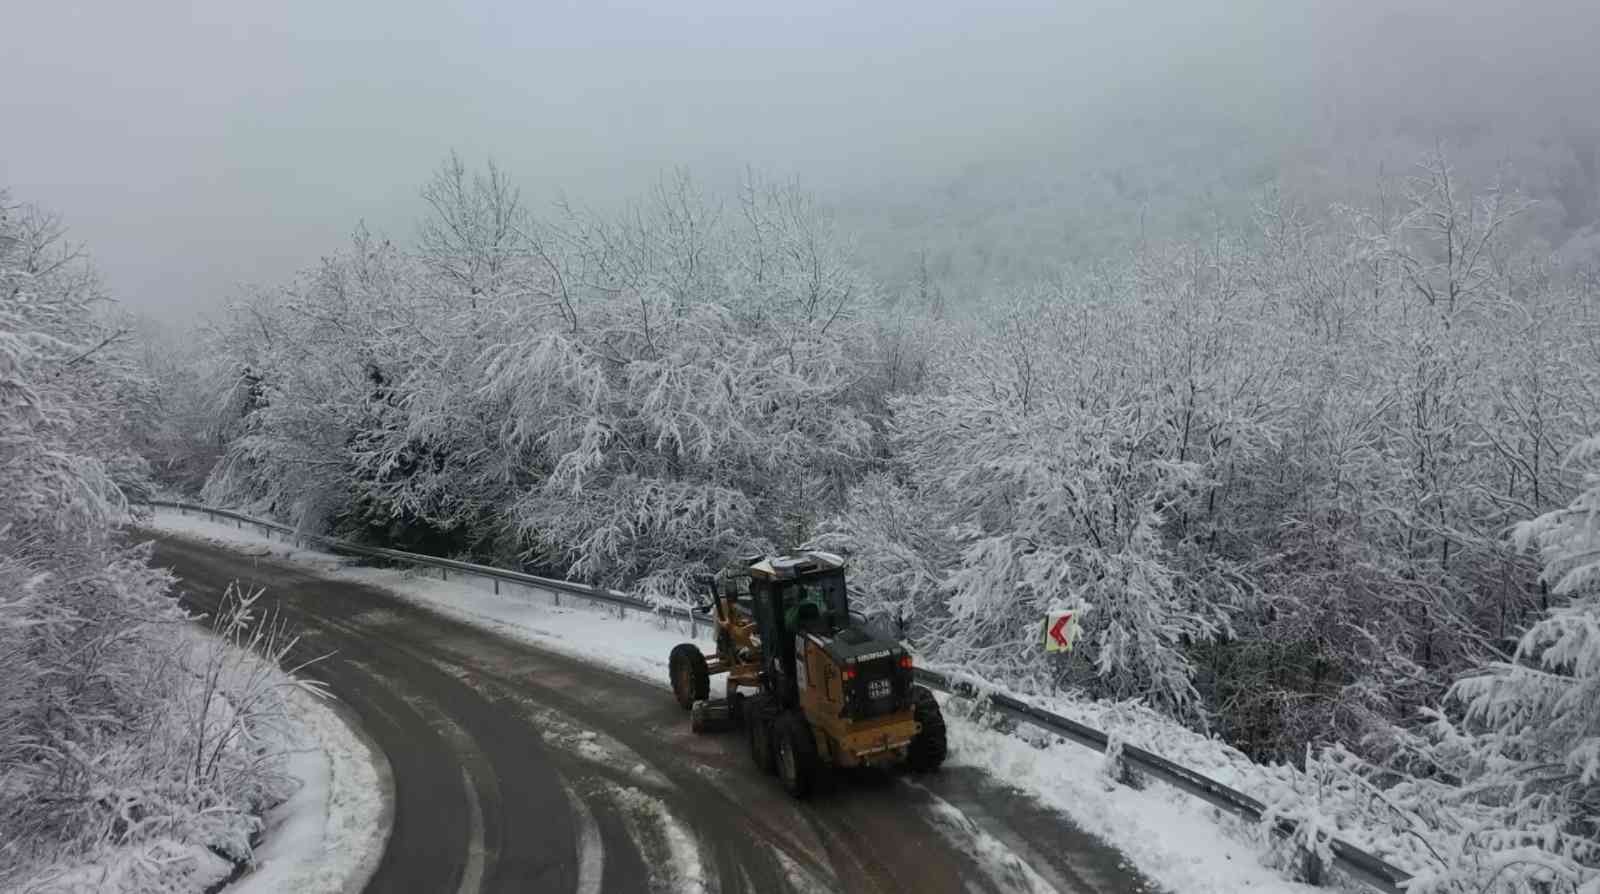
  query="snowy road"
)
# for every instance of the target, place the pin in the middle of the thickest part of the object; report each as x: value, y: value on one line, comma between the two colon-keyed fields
x: 517, y: 769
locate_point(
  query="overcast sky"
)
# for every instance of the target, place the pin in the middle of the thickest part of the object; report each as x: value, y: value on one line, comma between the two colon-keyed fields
x: 195, y: 146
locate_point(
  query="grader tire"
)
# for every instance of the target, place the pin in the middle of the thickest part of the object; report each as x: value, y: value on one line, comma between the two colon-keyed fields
x: 797, y: 753
x: 758, y: 729
x: 691, y: 680
x: 927, y: 750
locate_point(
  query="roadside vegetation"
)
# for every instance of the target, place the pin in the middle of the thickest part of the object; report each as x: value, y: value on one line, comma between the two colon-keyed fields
x: 135, y: 754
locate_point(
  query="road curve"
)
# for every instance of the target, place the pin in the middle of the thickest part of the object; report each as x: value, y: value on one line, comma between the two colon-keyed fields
x: 516, y: 769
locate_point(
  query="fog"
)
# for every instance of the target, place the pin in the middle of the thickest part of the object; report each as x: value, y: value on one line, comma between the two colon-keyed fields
x: 197, y: 147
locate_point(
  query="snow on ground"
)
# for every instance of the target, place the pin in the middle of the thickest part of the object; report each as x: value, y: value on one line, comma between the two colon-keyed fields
x: 559, y: 732
x: 1177, y: 841
x: 329, y: 835
x: 325, y: 838
x: 591, y: 846
x: 1000, y: 862
x: 678, y: 868
x: 801, y: 880
x: 164, y: 866
x: 1346, y: 815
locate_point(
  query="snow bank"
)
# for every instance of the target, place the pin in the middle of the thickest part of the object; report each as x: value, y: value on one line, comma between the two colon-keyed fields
x: 1338, y: 813
x: 325, y: 837
x: 159, y: 867
x: 1178, y: 842
x: 329, y: 835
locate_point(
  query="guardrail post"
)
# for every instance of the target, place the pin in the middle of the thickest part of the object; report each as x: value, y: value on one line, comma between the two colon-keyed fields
x: 496, y: 585
x: 1119, y: 768
x: 1309, y: 867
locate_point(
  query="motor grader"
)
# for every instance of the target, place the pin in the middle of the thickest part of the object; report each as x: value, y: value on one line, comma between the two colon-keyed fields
x: 822, y: 689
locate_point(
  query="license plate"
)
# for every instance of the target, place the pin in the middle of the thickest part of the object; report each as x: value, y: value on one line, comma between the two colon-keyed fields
x: 878, y: 689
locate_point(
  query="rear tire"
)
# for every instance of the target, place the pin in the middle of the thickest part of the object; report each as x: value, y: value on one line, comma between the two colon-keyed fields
x: 691, y: 679
x: 797, y: 753
x: 758, y: 728
x: 927, y: 749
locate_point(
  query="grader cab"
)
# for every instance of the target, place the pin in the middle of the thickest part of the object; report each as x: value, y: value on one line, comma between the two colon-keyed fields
x: 822, y: 690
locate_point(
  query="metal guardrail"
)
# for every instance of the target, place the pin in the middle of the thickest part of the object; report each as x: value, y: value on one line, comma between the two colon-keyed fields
x: 1374, y: 872
x: 498, y: 575
x: 1355, y: 863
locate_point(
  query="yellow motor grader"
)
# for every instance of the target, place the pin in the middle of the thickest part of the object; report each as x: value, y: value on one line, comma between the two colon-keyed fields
x: 823, y: 689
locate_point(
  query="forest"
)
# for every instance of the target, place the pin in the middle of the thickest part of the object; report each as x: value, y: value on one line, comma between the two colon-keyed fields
x: 1324, y: 479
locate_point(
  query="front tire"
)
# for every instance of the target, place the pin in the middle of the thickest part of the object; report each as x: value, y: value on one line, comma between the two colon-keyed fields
x: 797, y: 754
x: 927, y: 750
x: 691, y: 679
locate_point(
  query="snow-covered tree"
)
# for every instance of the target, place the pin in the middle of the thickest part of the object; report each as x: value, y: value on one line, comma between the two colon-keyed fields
x: 96, y: 756
x: 1510, y: 793
x: 629, y: 399
x: 1275, y: 463
x: 1042, y: 479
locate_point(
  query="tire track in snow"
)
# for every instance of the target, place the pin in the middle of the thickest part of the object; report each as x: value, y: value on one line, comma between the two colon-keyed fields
x: 671, y: 849
x: 620, y: 767
x: 472, y: 876
x: 492, y: 821
x: 591, y: 846
x: 800, y: 879
x: 1007, y: 870
x: 562, y: 732
x: 476, y: 775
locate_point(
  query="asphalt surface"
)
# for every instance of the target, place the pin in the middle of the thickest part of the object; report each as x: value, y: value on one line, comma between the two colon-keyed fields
x: 520, y: 770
